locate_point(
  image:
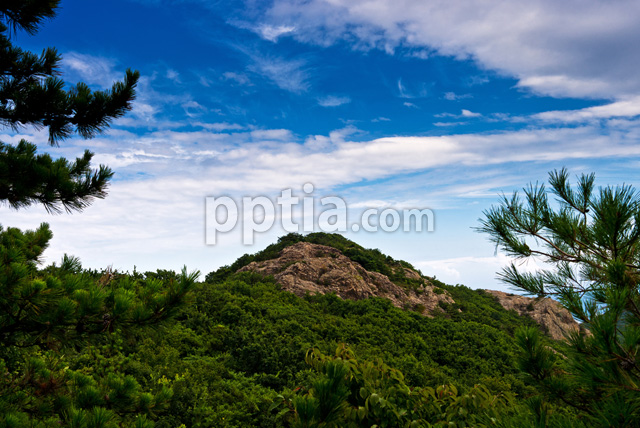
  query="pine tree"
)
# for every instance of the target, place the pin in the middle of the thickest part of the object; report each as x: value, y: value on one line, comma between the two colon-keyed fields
x: 33, y: 94
x: 591, y: 242
x: 47, y: 315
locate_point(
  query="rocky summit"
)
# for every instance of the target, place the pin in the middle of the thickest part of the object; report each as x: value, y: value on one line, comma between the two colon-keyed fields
x: 308, y: 268
x: 319, y: 269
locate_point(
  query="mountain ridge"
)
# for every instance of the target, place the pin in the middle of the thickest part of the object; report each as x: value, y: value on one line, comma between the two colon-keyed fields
x: 322, y: 263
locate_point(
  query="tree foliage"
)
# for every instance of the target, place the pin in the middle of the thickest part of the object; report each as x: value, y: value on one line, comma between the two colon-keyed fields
x: 353, y: 393
x: 47, y: 315
x: 52, y: 319
x: 591, y: 241
x: 52, y: 309
x: 33, y: 94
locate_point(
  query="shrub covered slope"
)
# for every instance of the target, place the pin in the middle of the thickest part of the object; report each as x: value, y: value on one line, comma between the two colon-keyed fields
x: 241, y: 352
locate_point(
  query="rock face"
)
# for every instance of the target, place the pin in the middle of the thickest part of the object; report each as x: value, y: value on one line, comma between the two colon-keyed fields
x: 311, y: 268
x: 306, y: 268
x: 548, y: 313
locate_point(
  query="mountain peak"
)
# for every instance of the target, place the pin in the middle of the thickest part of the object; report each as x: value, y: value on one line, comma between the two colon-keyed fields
x: 308, y: 268
x: 324, y: 263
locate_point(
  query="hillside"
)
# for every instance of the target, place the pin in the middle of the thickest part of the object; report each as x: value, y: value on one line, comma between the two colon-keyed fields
x: 310, y: 323
x: 322, y: 263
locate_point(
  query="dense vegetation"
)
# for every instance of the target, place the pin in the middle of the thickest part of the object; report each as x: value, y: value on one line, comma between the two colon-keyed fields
x: 244, y: 353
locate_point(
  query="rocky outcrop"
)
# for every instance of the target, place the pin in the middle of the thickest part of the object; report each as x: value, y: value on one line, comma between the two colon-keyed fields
x: 551, y: 315
x: 306, y: 268
x: 311, y: 268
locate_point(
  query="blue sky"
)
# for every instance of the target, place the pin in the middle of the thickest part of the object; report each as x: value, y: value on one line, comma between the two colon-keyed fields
x: 385, y: 103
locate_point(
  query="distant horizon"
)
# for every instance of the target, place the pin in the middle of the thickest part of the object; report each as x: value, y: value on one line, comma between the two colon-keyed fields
x: 427, y: 105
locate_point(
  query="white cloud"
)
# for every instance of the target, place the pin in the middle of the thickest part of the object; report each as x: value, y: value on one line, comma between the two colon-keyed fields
x: 272, y: 134
x: 318, y: 143
x: 39, y: 137
x: 411, y: 105
x: 173, y: 75
x: 288, y: 75
x: 129, y: 158
x: 93, y: 70
x: 239, y: 78
x: 273, y: 159
x: 272, y: 33
x: 452, y: 96
x: 255, y: 159
x: 193, y: 108
x: 221, y: 126
x: 372, y: 203
x: 464, y: 113
x: 622, y: 109
x: 142, y: 111
x: 155, y: 208
x: 333, y: 101
x: 559, y: 48
x: 448, y: 124
x: 468, y: 113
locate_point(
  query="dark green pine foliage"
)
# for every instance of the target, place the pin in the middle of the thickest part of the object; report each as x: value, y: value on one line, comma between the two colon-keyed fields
x: 591, y: 241
x: 48, y: 317
x: 33, y: 94
x: 55, y: 309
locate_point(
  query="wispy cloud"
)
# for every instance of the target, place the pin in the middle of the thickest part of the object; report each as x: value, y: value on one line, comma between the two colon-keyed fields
x: 264, y: 135
x: 170, y: 172
x: 275, y: 158
x: 452, y: 96
x: 220, y: 126
x: 173, y: 75
x: 91, y: 69
x: 272, y: 33
x: 149, y: 110
x: 289, y: 75
x: 448, y: 124
x: 193, y: 108
x: 238, y: 78
x: 464, y: 113
x: 333, y: 101
x: 419, y: 92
